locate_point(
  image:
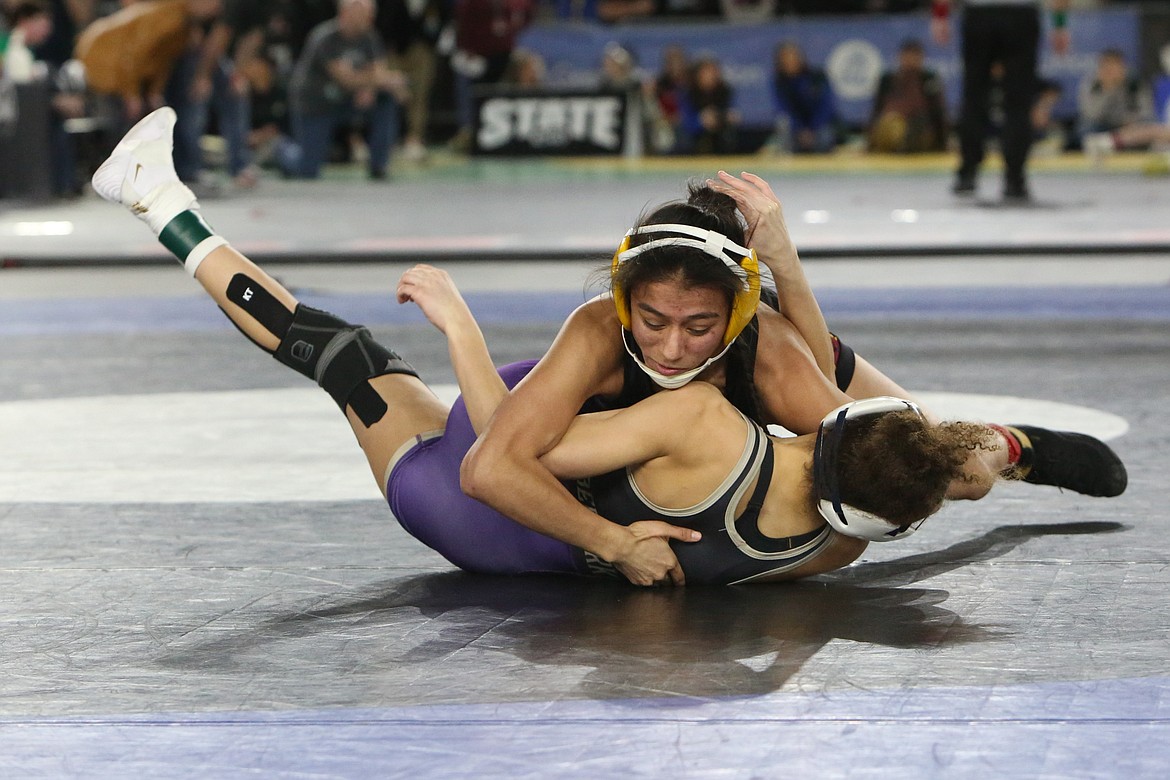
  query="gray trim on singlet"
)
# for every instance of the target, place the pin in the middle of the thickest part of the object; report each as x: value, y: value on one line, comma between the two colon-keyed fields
x: 408, y: 445
x: 718, y: 492
x: 759, y: 440
x: 748, y: 466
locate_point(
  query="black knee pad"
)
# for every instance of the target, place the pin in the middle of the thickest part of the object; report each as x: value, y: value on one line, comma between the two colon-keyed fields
x: 341, y: 358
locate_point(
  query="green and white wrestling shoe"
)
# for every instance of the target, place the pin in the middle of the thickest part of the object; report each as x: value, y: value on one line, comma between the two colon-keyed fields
x: 140, y: 175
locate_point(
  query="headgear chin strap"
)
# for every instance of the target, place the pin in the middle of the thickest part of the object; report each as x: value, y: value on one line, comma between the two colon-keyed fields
x: 843, y: 518
x: 741, y: 260
x: 673, y: 381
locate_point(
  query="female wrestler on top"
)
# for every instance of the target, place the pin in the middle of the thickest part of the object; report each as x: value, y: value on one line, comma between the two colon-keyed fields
x: 752, y: 508
x: 777, y: 365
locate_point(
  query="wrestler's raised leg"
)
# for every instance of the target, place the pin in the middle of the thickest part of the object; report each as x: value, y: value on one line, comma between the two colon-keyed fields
x: 383, y: 399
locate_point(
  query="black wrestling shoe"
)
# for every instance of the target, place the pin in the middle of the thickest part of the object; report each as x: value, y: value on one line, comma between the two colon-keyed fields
x: 1072, y: 461
x: 1016, y: 194
x: 964, y: 186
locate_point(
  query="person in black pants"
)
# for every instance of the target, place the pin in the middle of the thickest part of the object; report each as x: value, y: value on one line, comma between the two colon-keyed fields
x: 1007, y: 32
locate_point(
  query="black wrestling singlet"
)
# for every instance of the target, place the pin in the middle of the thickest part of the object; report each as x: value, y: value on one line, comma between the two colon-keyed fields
x: 732, y: 549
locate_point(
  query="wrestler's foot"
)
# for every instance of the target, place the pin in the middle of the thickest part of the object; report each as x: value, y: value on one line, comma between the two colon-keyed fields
x: 1069, y: 460
x: 140, y: 173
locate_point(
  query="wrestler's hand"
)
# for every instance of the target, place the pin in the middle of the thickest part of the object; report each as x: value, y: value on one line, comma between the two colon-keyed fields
x: 767, y: 231
x: 433, y: 291
x: 648, y: 559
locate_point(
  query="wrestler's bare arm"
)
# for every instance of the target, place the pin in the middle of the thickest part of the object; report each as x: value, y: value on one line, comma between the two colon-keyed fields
x: 652, y: 428
x: 768, y: 236
x: 503, y: 468
x: 435, y: 293
x: 793, y: 391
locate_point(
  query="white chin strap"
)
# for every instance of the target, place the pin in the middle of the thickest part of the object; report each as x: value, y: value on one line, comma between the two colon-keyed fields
x: 674, y: 381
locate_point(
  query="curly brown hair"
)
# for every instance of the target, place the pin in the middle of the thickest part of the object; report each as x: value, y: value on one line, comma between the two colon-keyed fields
x: 898, y: 466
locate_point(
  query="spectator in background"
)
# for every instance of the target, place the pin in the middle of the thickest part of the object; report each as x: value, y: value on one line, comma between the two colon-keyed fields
x: 614, y: 11
x: 711, y: 122
x: 213, y: 78
x: 617, y: 68
x: 341, y: 78
x: 1049, y: 134
x: 672, y: 95
x: 1111, y: 98
x: 673, y: 9
x: 69, y: 17
x: 806, y: 119
x: 410, y: 30
x: 585, y: 10
x: 268, y: 74
x: 745, y: 11
x: 909, y: 114
x: 619, y: 73
x: 282, y: 41
x: 70, y: 95
x: 270, y: 134
x: 485, y: 35
x: 303, y: 17
x: 1162, y: 88
x: 29, y: 25
x: 1117, y: 110
x: 526, y: 70
x: 20, y: 63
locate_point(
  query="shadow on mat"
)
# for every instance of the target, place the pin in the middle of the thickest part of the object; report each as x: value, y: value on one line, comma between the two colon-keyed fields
x: 686, y: 642
x: 993, y: 544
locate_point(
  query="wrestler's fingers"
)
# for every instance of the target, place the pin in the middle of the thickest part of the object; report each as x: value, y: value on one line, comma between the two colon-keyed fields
x: 646, y: 528
x: 402, y: 293
x: 420, y: 278
x: 748, y: 183
x: 676, y: 576
x: 739, y: 197
x: 733, y: 182
x: 753, y: 195
x: 758, y: 181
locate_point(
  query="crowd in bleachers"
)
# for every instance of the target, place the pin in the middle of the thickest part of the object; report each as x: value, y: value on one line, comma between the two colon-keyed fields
x: 290, y: 85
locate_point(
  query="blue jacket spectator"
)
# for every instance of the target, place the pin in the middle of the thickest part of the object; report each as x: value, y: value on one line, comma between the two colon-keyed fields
x: 806, y: 118
x: 1162, y: 87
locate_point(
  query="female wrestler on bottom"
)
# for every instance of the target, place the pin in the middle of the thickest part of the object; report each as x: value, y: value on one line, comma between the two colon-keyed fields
x: 741, y: 505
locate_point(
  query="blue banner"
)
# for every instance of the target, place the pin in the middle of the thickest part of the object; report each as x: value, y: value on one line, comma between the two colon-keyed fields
x: 852, y: 50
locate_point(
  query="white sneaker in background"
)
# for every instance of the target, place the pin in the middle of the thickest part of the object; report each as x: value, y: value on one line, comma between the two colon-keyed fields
x: 1097, y: 147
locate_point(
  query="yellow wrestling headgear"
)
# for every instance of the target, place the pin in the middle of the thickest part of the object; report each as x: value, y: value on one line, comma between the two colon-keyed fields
x: 741, y: 260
